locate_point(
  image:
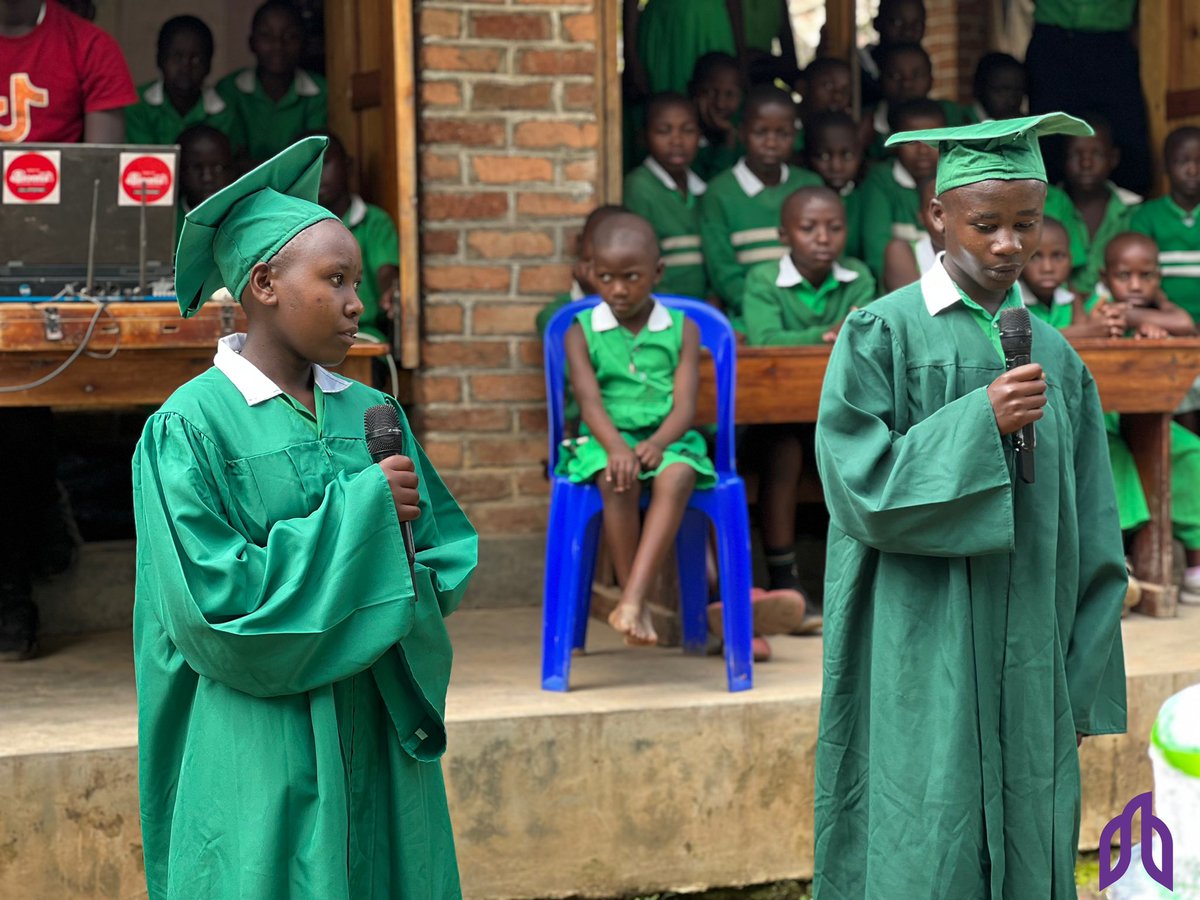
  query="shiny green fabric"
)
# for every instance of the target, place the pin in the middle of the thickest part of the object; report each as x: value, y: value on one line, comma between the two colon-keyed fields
x: 673, y: 34
x: 972, y: 622
x: 291, y: 679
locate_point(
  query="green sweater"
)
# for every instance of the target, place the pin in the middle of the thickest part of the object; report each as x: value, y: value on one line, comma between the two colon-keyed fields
x: 676, y: 221
x: 1117, y: 214
x: 890, y: 203
x: 783, y: 309
x: 739, y: 227
x: 1178, y: 235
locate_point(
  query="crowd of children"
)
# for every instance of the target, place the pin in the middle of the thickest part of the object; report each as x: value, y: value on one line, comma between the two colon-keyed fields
x: 790, y: 214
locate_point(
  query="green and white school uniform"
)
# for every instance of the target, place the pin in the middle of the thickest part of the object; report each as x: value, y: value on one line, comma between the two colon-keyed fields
x: 1177, y: 232
x: 956, y: 114
x: 155, y: 120
x: 852, y: 201
x: 713, y: 159
x: 739, y: 227
x: 673, y: 34
x: 652, y: 194
x: 891, y: 206
x: 270, y: 127
x: 784, y: 309
x: 376, y: 234
x: 923, y: 253
x: 1117, y: 214
x: 636, y: 374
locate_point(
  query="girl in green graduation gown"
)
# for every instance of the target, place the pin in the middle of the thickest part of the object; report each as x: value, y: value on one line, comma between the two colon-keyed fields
x: 291, y: 668
x: 972, y: 620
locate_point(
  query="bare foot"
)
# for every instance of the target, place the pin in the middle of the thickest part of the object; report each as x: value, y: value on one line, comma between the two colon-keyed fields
x: 633, y: 621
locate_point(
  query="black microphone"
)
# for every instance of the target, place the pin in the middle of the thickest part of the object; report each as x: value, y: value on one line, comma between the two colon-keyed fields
x: 1016, y: 338
x: 385, y: 437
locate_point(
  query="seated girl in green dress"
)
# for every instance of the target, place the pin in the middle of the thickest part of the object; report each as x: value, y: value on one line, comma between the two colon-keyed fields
x: 635, y: 368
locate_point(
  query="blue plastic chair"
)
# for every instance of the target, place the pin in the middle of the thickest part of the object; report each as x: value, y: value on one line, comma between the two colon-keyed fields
x: 573, y: 530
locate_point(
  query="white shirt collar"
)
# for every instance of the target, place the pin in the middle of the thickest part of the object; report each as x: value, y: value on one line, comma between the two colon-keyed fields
x: 881, y: 117
x: 982, y: 114
x: 938, y: 290
x: 356, y: 212
x: 304, y: 83
x: 695, y: 183
x: 789, y: 275
x: 604, y: 320
x: 252, y: 383
x: 751, y: 183
x: 156, y: 95
x: 902, y: 176
x: 1126, y: 196
x: 847, y: 189
x: 576, y: 290
x: 1062, y: 296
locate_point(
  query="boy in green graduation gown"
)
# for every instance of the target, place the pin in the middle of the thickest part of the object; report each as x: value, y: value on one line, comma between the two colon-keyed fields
x: 972, y: 621
x: 291, y: 667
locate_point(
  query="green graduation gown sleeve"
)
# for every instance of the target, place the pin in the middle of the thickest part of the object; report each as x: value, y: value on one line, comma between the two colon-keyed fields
x: 972, y: 622
x: 291, y: 676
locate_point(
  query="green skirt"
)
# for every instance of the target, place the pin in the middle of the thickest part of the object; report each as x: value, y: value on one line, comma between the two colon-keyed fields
x: 584, y: 457
x: 673, y: 34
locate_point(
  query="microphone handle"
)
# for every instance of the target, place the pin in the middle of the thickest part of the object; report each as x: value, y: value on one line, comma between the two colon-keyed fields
x: 406, y: 532
x: 1025, y: 439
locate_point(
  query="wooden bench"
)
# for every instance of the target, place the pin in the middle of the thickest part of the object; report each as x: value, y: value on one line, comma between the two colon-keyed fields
x: 1143, y: 380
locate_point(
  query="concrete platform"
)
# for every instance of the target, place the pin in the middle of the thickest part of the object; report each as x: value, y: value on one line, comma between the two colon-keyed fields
x: 647, y: 776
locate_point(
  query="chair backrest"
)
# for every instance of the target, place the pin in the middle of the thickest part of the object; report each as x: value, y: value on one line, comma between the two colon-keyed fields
x: 716, y: 335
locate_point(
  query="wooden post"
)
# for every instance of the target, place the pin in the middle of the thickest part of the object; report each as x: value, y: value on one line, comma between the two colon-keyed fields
x: 841, y: 29
x: 404, y: 128
x: 609, y: 110
x: 1149, y: 438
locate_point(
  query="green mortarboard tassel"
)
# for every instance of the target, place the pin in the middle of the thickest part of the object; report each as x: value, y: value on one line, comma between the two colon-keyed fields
x: 1003, y: 149
x: 247, y: 223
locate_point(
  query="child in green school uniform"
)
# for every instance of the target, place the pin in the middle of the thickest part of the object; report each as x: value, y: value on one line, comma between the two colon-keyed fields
x: 582, y: 284
x: 833, y: 152
x: 665, y: 192
x: 999, y: 87
x: 276, y: 100
x: 739, y: 217
x: 376, y: 234
x: 801, y: 298
x: 1047, y: 294
x: 1174, y: 220
x: 1102, y: 209
x: 824, y: 88
x: 906, y: 74
x: 908, y: 258
x: 717, y: 90
x: 205, y: 167
x: 180, y: 98
x: 634, y: 369
x: 889, y: 193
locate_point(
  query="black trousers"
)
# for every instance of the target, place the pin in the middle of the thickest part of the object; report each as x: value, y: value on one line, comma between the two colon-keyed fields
x: 1081, y: 72
x: 28, y: 465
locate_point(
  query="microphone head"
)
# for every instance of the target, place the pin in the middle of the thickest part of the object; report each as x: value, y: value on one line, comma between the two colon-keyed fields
x: 385, y: 436
x: 1016, y: 331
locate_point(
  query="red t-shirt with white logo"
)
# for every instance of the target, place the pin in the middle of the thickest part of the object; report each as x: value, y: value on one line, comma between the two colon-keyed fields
x: 51, y: 77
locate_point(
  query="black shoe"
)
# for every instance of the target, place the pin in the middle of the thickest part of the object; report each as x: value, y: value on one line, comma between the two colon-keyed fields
x: 57, y: 547
x: 18, y: 623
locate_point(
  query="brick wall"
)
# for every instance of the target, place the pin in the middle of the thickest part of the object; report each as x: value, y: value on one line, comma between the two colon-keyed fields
x: 508, y: 167
x: 956, y: 37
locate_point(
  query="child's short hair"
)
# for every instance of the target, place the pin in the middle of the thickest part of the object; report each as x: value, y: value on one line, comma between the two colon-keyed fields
x: 886, y: 55
x: 919, y: 107
x: 610, y: 228
x: 180, y: 25
x: 989, y: 65
x: 828, y: 120
x: 199, y: 131
x: 797, y: 199
x: 762, y: 95
x: 1100, y: 124
x: 1126, y: 238
x: 823, y: 64
x: 1053, y: 224
x: 663, y: 100
x: 709, y: 65
x: 1177, y: 137
x: 287, y: 7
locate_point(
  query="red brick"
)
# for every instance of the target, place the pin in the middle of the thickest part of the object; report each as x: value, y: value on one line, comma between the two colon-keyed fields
x: 568, y: 135
x: 504, y: 244
x: 544, y: 279
x: 490, y: 205
x: 474, y: 132
x: 579, y: 96
x: 437, y: 388
x: 509, y: 386
x: 529, y: 353
x: 532, y: 420
x: 506, y: 451
x: 581, y: 170
x: 473, y: 487
x: 443, y: 318
x: 465, y: 354
x: 449, y: 58
x: 441, y: 93
x: 505, y: 318
x: 532, y: 203
x: 444, y: 454
x: 459, y: 418
x: 509, y: 518
x: 511, y: 27
x: 490, y: 95
x: 465, y: 278
x: 532, y: 483
x: 580, y: 27
x: 437, y: 167
x: 511, y: 169
x: 440, y: 23
x: 439, y: 242
x: 556, y: 62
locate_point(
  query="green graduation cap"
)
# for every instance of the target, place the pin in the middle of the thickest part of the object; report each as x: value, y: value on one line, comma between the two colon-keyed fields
x: 248, y: 222
x: 1003, y: 149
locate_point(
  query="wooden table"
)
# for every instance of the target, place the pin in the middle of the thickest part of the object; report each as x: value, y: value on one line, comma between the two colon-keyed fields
x: 1144, y: 381
x: 153, y: 349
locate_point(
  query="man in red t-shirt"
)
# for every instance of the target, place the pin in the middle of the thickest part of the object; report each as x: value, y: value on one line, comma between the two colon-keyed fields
x: 62, y: 79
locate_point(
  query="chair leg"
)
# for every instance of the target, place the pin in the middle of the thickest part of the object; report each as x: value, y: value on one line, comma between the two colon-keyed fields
x: 571, y: 557
x: 583, y: 588
x: 691, y: 547
x: 733, y: 551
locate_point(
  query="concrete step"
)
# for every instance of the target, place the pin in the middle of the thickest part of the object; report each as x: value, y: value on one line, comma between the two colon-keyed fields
x: 647, y: 776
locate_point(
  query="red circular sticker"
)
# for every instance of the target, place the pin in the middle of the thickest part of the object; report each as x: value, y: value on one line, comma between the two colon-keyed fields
x: 146, y: 174
x: 31, y: 177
